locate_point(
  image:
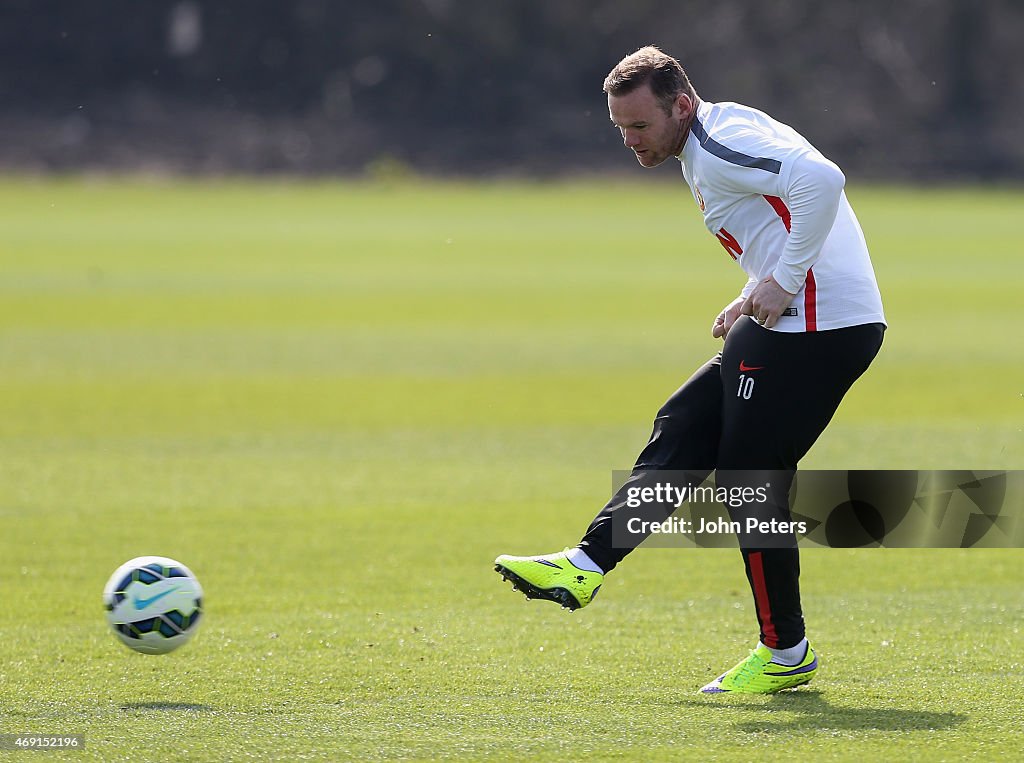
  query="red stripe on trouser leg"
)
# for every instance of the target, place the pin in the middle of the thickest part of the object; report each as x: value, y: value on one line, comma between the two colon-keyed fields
x: 764, y: 607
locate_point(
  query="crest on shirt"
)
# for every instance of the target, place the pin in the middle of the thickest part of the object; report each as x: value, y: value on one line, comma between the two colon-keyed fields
x: 698, y: 197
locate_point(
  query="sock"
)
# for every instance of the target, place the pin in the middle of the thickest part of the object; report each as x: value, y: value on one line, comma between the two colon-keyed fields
x: 792, y: 656
x: 580, y: 559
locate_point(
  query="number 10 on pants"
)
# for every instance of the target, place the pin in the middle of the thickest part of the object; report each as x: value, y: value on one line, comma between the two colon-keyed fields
x: 746, y: 387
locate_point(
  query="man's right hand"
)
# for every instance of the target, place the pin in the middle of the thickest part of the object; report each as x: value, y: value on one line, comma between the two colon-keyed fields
x: 726, y: 318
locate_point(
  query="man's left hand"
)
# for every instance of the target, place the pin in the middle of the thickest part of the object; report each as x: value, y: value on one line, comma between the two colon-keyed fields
x: 766, y: 302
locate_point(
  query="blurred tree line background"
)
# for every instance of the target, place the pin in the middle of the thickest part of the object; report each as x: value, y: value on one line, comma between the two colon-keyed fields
x: 904, y: 89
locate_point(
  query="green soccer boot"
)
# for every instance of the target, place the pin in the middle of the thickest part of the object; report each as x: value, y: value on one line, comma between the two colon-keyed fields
x: 552, y: 577
x: 759, y: 675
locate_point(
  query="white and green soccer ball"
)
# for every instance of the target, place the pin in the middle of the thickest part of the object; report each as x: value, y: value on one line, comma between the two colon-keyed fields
x: 153, y: 604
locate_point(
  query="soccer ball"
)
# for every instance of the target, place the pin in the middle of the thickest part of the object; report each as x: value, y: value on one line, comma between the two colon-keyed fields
x: 153, y: 604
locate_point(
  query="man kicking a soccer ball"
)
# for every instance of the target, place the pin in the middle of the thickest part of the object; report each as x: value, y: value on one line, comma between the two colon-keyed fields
x: 806, y: 325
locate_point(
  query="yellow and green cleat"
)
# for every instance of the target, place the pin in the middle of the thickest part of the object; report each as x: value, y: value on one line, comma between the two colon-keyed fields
x: 552, y: 577
x: 759, y: 675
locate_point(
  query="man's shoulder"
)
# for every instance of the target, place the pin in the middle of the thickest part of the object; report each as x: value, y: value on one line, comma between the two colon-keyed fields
x: 728, y: 107
x: 727, y: 119
x: 727, y: 128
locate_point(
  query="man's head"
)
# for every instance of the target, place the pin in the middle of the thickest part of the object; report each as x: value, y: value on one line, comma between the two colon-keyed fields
x: 651, y: 101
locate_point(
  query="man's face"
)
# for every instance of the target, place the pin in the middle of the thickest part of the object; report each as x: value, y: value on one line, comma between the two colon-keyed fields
x: 652, y: 134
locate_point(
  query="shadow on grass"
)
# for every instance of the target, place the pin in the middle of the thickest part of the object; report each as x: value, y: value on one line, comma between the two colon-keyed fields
x: 814, y: 712
x: 187, y: 707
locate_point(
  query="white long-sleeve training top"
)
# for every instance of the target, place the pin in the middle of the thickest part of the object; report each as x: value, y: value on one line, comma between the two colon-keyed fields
x: 778, y: 207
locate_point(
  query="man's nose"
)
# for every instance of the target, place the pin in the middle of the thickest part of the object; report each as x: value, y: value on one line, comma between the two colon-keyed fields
x: 630, y: 138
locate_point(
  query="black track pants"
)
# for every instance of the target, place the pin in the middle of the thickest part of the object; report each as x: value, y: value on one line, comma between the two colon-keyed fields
x: 759, y: 404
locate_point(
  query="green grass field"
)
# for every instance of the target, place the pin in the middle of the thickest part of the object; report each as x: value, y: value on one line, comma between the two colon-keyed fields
x: 337, y: 403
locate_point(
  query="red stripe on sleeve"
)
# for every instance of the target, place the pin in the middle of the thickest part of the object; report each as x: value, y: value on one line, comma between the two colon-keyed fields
x: 810, y: 289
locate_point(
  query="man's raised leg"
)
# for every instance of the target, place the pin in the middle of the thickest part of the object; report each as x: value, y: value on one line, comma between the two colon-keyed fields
x: 685, y: 437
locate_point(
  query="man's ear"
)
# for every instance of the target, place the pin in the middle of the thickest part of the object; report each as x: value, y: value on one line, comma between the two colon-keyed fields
x: 685, y: 104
